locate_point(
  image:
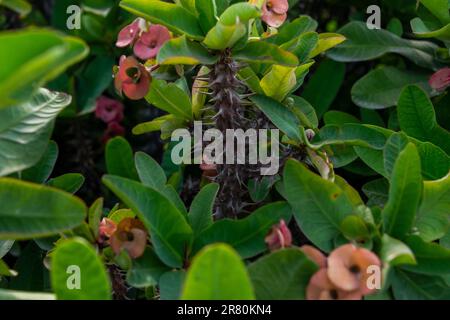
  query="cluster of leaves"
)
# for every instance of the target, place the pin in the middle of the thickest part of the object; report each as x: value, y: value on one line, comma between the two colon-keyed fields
x: 169, y: 251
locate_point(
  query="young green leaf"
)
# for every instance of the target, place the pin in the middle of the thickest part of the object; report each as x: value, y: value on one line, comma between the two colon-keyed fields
x: 183, y: 51
x: 259, y: 51
x: 69, y: 182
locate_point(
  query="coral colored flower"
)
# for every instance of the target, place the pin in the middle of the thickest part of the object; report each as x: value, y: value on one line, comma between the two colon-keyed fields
x: 279, y: 237
x: 321, y: 288
x: 315, y: 255
x: 440, y: 80
x: 149, y: 43
x: 132, y: 79
x: 109, y: 110
x: 130, y: 236
x: 348, y: 268
x: 274, y: 12
x: 106, y: 229
x: 114, y: 129
x: 129, y: 34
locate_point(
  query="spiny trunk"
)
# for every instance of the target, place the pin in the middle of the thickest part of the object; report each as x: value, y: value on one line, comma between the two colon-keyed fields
x: 225, y: 88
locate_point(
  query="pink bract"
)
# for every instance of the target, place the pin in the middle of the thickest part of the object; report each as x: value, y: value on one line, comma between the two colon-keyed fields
x: 440, y: 80
x: 129, y: 34
x: 274, y: 12
x: 149, y: 43
x: 132, y: 79
x: 109, y: 110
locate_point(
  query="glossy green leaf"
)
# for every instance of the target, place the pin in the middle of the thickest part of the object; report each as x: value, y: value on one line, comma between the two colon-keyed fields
x: 170, y: 98
x: 433, y: 217
x: 241, y: 11
x: 421, y: 30
x: 174, y: 17
x: 263, y: 52
x: 404, y: 193
x: 22, y: 7
x: 304, y: 111
x: 95, y: 214
x: 279, y: 114
x: 246, y: 235
x: 171, y: 284
x: 150, y: 172
x: 26, y: 128
x: 224, y: 36
x: 278, y: 82
x: 183, y: 51
x: 412, y: 286
x: 201, y: 211
x: 217, y: 273
x: 364, y: 44
x: 119, y: 158
x: 282, y: 275
x: 34, y: 57
x: 439, y: 8
x: 5, y: 246
x: 40, y: 172
x: 146, y: 270
x: 294, y: 29
x: 73, y: 264
x: 381, y: 88
x: 394, y: 145
x: 326, y: 42
x: 170, y: 233
x: 36, y: 211
x: 417, y: 118
x: 377, y: 191
x: 319, y: 205
x: 69, y: 182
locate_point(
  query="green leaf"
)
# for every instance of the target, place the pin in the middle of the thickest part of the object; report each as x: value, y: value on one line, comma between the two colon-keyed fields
x: 351, y: 134
x: 411, y: 286
x: 304, y: 111
x: 34, y: 57
x: 394, y: 252
x: 302, y: 46
x: 279, y: 114
x: 170, y: 98
x: 201, y: 212
x: 146, y: 270
x: 354, y: 228
x: 326, y: 42
x: 365, y: 44
x: 174, y: 17
x: 36, y: 211
x: 394, y: 145
x: 26, y: 128
x: 30, y: 268
x: 155, y: 125
x: 247, y: 235
x: 150, y: 172
x: 282, y: 275
x: 319, y: 205
x: 377, y: 191
x: 263, y: 52
x: 439, y: 8
x: 294, y: 29
x: 339, y: 118
x: 40, y: 172
x: 432, y: 259
x: 207, y: 13
x: 224, y: 36
x: 417, y: 118
x: 404, y: 194
x: 95, y: 215
x: 278, y: 82
x: 70, y: 182
x: 22, y: 7
x: 22, y: 295
x: 73, y: 262
x: 217, y: 273
x: 250, y: 78
x: 381, y: 88
x: 170, y: 233
x: 5, y: 271
x: 170, y: 285
x: 421, y: 30
x: 119, y: 158
x: 183, y: 51
x: 433, y: 217
x: 239, y: 11
x: 5, y: 246
x: 327, y: 80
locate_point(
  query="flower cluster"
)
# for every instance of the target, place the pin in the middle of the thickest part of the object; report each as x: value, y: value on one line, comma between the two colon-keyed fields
x: 129, y: 235
x: 110, y: 111
x: 133, y: 77
x: 343, y: 275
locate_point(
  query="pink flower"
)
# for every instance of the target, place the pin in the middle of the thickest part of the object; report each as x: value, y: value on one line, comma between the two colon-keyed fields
x: 114, y: 129
x: 315, y: 255
x: 106, y: 229
x: 279, y: 237
x: 129, y: 34
x: 274, y: 12
x: 440, y: 80
x: 321, y: 288
x: 130, y: 236
x: 132, y: 79
x: 149, y: 43
x: 109, y: 110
